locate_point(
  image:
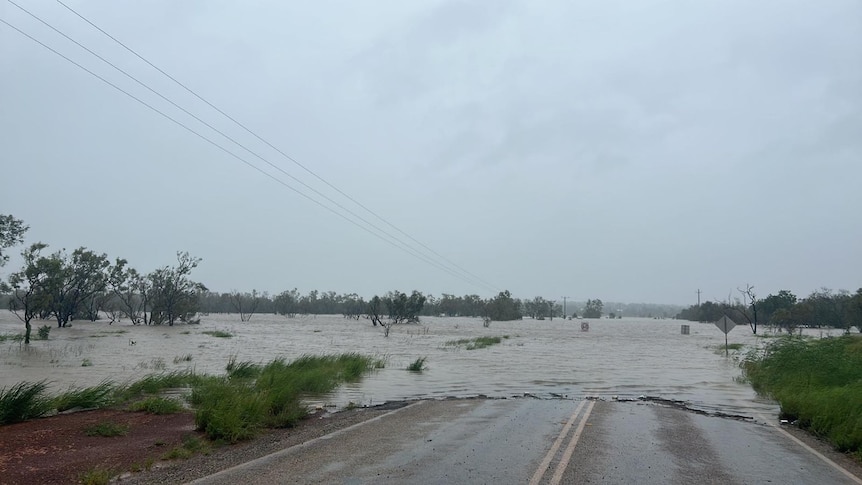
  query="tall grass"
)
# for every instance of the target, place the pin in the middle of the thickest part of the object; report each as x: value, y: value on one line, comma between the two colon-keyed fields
x: 817, y: 383
x: 156, y: 383
x: 233, y: 409
x: 475, y: 343
x: 23, y: 401
x: 99, y: 396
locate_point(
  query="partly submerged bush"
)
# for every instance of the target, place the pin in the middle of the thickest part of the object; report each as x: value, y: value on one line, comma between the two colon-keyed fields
x: 818, y: 383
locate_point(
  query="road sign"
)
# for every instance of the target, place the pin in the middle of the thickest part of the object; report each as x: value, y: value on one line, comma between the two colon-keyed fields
x: 725, y: 324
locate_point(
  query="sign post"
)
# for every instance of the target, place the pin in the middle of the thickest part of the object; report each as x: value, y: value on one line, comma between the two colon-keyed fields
x: 725, y: 325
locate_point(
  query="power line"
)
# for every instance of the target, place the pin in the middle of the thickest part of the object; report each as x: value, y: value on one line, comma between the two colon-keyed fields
x: 208, y: 125
x: 244, y: 161
x: 267, y: 143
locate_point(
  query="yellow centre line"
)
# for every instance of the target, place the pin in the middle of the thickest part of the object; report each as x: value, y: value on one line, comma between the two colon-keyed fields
x: 543, y: 467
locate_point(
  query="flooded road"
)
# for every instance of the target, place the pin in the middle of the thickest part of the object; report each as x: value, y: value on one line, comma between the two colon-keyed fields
x: 547, y: 359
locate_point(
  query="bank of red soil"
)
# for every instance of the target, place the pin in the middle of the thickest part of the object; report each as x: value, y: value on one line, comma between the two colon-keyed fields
x: 57, y: 450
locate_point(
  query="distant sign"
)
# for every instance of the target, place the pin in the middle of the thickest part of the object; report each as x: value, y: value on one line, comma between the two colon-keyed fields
x: 725, y: 324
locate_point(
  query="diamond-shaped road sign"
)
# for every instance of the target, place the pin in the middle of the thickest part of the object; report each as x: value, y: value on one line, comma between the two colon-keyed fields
x: 725, y: 324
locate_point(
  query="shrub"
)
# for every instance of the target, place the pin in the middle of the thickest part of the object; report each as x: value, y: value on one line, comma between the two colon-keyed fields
x: 818, y: 383
x: 43, y: 332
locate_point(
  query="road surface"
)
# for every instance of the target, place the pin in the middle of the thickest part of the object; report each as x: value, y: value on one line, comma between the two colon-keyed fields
x: 532, y: 441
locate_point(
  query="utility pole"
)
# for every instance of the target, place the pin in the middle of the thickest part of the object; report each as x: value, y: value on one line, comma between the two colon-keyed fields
x: 565, y: 315
x: 698, y: 297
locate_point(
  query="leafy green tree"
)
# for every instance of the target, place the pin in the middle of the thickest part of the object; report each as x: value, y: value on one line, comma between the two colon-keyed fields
x: 173, y: 295
x: 593, y: 309
x: 30, y: 286
x: 503, y: 308
x: 402, y: 308
x: 11, y: 234
x: 130, y: 289
x: 783, y: 300
x: 287, y: 303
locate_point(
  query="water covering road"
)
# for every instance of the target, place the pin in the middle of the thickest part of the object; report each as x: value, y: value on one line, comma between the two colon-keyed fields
x: 530, y: 441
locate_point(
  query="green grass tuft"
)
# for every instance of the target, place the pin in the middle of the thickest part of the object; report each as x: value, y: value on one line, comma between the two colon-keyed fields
x: 157, y: 405
x: 218, y: 333
x: 96, y: 476
x: 23, y: 401
x: 107, y: 429
x: 475, y: 343
x: 99, y: 396
x: 417, y: 365
x: 241, y: 370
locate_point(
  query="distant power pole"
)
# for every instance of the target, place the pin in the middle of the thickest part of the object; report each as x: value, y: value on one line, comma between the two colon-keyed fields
x: 565, y: 315
x: 698, y: 297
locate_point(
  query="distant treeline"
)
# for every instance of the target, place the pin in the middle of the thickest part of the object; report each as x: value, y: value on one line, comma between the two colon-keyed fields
x: 292, y: 302
x: 822, y: 308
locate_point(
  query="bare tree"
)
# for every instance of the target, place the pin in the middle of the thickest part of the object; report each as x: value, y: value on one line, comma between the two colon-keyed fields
x: 245, y: 303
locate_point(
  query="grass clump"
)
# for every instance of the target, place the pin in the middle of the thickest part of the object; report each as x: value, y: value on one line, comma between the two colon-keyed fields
x: 218, y: 333
x: 156, y: 383
x: 23, y: 401
x: 183, y: 358
x: 417, y: 365
x: 475, y: 343
x: 157, y: 405
x: 96, y: 476
x: 191, y: 445
x: 15, y: 337
x: 99, y: 396
x: 818, y: 384
x: 233, y: 409
x: 107, y: 429
x: 241, y: 370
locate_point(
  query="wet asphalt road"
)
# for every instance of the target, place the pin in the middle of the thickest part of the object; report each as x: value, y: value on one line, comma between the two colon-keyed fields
x: 529, y: 441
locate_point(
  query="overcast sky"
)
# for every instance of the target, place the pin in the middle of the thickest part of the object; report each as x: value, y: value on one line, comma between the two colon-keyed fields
x: 628, y: 151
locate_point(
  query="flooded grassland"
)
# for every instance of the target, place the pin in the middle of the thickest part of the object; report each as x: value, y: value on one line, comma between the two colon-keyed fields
x: 626, y: 358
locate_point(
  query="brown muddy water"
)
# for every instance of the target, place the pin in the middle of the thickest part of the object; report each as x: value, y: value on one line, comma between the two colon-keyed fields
x: 546, y: 359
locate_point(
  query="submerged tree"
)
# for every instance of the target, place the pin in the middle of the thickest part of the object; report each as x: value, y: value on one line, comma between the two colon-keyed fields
x: 29, y: 287
x: 173, y: 296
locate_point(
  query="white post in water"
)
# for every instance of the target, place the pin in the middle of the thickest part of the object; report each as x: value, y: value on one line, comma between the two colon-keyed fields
x: 725, y: 325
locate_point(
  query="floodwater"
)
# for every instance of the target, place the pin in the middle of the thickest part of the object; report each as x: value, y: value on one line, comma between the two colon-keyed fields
x: 547, y: 359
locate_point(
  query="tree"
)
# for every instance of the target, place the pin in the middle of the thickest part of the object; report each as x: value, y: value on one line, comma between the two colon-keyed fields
x: 173, y: 296
x: 503, y: 308
x: 748, y: 293
x: 287, y: 303
x: 768, y: 306
x: 131, y: 291
x: 245, y: 303
x: 11, y: 234
x: 67, y: 282
x: 398, y: 307
x: 593, y: 309
x: 29, y: 287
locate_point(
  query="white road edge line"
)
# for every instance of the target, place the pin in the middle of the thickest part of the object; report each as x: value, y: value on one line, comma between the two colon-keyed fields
x: 294, y: 448
x: 543, y: 467
x: 812, y: 451
x: 564, y: 462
